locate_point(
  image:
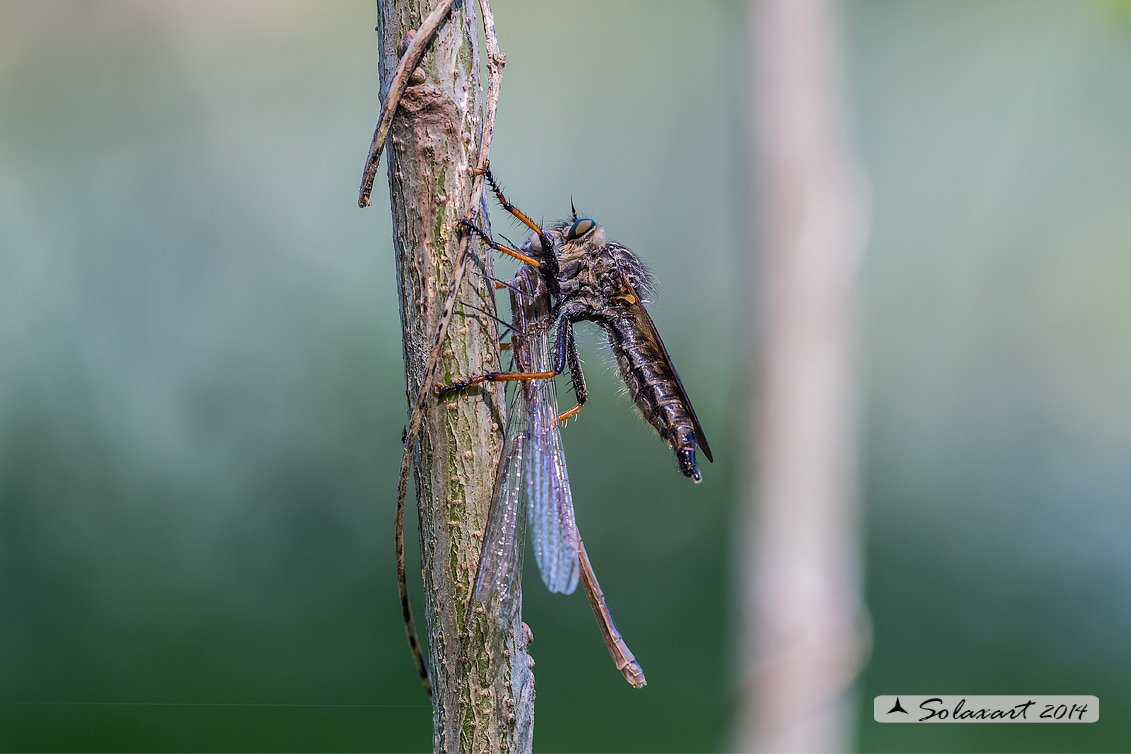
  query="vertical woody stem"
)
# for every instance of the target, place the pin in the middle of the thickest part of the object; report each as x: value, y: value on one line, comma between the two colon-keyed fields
x: 482, y: 685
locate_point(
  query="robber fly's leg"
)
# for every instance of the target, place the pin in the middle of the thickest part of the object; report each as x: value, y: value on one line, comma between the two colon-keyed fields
x: 519, y: 214
x: 543, y: 239
x: 444, y: 389
x: 498, y: 246
x: 567, y: 356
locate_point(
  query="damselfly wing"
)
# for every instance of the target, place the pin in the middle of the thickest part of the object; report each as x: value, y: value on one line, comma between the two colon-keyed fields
x: 531, y: 480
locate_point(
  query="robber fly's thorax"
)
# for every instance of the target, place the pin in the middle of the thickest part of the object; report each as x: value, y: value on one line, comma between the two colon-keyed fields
x: 592, y: 275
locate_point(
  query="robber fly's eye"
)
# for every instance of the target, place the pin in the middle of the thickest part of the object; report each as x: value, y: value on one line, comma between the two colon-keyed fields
x: 580, y: 228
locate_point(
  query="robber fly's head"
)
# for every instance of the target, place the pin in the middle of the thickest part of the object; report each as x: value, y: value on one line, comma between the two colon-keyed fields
x: 582, y: 230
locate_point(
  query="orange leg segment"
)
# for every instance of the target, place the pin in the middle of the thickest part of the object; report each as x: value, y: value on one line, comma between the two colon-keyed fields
x: 498, y: 246
x: 519, y: 214
x: 495, y: 377
x: 568, y: 414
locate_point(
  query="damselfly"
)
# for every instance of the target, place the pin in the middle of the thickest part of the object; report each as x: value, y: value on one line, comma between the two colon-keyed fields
x: 532, y: 482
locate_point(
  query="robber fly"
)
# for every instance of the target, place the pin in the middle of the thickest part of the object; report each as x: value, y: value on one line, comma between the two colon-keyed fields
x: 572, y: 274
x: 591, y: 279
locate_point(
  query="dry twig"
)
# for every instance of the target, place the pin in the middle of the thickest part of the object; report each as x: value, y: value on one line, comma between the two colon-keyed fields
x: 409, y: 60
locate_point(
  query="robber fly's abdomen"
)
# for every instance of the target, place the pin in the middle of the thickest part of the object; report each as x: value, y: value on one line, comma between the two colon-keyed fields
x: 653, y: 385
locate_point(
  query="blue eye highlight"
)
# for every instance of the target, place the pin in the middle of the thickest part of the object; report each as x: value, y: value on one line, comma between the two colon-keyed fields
x: 580, y: 228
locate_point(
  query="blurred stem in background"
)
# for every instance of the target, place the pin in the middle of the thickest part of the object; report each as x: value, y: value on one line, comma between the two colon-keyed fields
x: 803, y: 639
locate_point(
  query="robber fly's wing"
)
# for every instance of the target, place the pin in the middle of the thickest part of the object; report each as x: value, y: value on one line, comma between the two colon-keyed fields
x: 648, y: 326
x: 500, y: 565
x: 548, y: 493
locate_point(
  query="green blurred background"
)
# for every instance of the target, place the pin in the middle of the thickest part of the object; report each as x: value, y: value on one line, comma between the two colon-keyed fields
x: 201, y: 395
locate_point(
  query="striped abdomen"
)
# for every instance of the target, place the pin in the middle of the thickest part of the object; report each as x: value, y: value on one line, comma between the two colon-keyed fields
x: 653, y: 383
